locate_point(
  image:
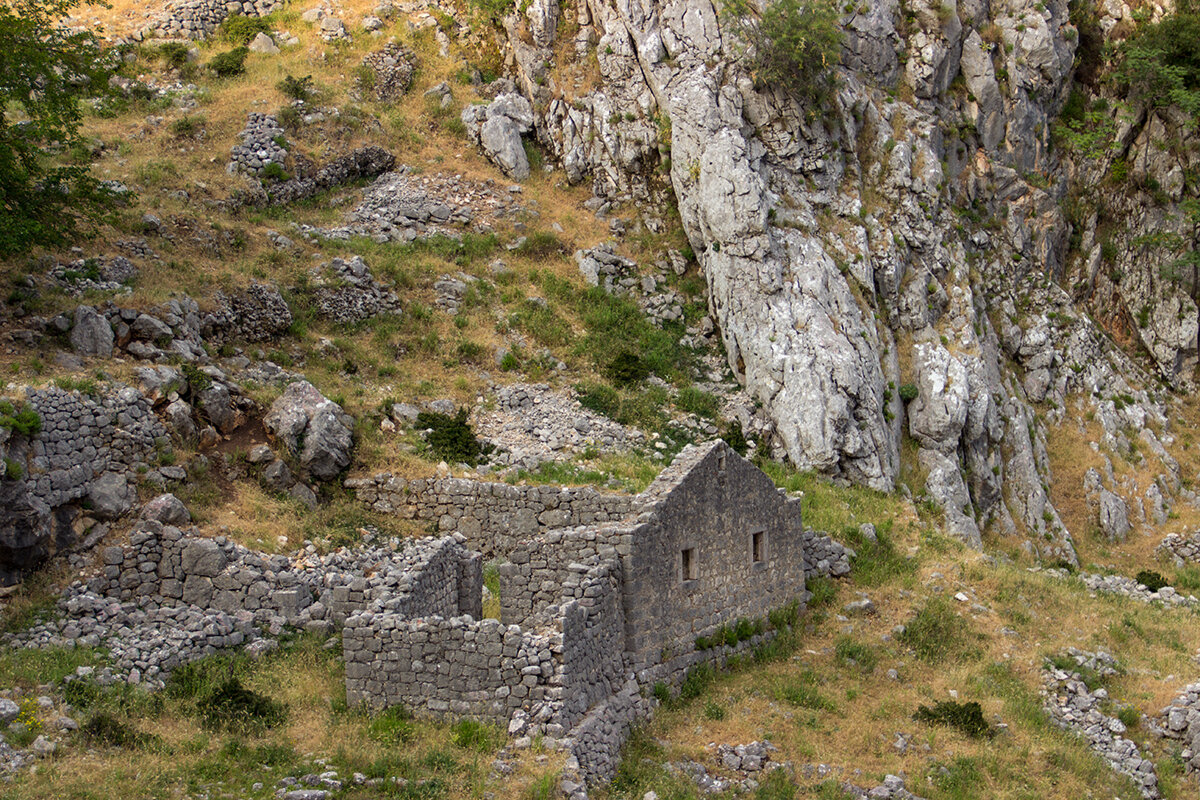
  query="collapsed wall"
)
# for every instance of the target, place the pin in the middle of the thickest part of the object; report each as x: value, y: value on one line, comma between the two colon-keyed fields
x: 165, y: 566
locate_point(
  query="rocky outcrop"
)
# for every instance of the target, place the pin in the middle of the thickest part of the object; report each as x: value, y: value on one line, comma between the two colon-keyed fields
x: 497, y: 129
x: 313, y: 428
x: 841, y: 265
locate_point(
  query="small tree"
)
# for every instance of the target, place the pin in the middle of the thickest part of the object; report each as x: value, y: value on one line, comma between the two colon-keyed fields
x: 792, y: 44
x: 46, y: 69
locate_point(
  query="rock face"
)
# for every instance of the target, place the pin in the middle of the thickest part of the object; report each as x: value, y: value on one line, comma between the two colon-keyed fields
x: 497, y: 128
x: 839, y: 272
x: 313, y: 428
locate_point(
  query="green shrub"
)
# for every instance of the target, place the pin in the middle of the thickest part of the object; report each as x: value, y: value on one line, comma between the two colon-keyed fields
x: 1160, y: 64
x: 274, y: 171
x: 22, y: 420
x: 627, y: 368
x: 234, y: 708
x: 187, y: 126
x: 795, y: 45
x: 1151, y: 580
x: 696, y: 681
x: 1129, y: 715
x: 297, y: 88
x: 229, y: 63
x: 908, y: 392
x: 661, y: 692
x: 734, y: 437
x: 966, y: 717
x: 13, y: 470
x: 174, y: 54
x: 451, y: 438
x: 936, y: 633
x: 240, y: 30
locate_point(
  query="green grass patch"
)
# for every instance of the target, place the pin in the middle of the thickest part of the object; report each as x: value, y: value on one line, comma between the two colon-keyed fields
x: 937, y: 634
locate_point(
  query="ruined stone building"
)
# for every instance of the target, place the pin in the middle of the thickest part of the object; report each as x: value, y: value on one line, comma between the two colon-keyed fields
x: 593, y: 616
x: 601, y: 596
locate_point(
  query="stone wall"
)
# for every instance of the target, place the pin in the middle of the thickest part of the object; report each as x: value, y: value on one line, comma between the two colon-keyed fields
x: 1178, y: 549
x: 196, y: 19
x: 595, y: 744
x: 453, y: 667
x: 494, y: 517
x: 167, y: 566
x: 711, y: 502
x: 593, y: 631
x: 82, y: 438
x: 541, y: 571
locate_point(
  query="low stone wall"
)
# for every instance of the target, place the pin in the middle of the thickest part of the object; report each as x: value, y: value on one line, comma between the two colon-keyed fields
x: 494, y: 517
x: 825, y: 557
x: 164, y: 565
x: 449, y: 667
x: 595, y: 744
x: 195, y: 19
x: 1179, y: 550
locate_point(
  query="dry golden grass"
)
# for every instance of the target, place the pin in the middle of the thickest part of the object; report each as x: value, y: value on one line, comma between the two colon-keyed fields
x: 319, y: 734
x: 861, y: 712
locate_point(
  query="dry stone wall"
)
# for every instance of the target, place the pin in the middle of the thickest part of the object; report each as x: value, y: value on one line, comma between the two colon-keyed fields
x: 196, y: 19
x: 494, y: 517
x: 593, y: 630
x: 166, y: 566
x: 458, y: 666
x: 542, y: 571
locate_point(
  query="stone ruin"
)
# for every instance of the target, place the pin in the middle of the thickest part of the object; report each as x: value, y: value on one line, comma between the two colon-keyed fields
x: 593, y: 615
x: 602, y: 597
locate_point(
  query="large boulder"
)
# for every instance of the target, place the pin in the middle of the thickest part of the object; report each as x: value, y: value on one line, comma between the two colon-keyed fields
x: 167, y: 509
x: 313, y: 428
x: 91, y: 335
x: 497, y: 128
x: 110, y: 496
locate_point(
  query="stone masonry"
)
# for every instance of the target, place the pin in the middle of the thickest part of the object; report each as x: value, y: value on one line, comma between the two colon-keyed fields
x: 493, y: 517
x: 592, y: 614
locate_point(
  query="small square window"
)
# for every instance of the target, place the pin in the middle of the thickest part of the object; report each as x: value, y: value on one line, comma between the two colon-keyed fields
x: 689, y: 569
x: 758, y: 547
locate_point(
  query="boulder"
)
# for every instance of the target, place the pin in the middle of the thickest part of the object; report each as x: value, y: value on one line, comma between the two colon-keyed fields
x: 91, y: 335
x: 313, y: 428
x: 263, y: 43
x: 110, y: 496
x: 167, y: 509
x: 217, y: 404
x: 497, y: 128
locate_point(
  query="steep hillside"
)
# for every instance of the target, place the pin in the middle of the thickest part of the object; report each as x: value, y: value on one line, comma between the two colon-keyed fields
x: 944, y: 284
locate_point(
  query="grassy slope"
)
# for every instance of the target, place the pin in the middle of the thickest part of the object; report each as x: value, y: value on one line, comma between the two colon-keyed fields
x: 858, y: 711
